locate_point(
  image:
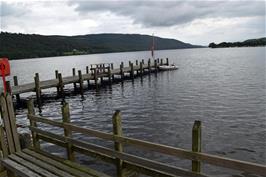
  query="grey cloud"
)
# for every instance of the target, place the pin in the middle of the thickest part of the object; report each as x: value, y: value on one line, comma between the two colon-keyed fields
x: 12, y: 9
x: 170, y: 13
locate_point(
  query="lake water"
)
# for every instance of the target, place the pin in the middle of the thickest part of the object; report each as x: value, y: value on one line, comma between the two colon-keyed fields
x: 224, y: 88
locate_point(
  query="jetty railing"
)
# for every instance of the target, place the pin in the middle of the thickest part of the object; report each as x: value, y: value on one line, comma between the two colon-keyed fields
x: 126, y: 162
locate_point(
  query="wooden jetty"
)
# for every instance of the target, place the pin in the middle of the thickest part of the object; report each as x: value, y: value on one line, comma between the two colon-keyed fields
x: 95, y: 75
x: 35, y: 162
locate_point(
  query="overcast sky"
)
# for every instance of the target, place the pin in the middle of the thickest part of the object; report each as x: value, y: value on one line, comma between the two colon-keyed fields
x: 196, y: 22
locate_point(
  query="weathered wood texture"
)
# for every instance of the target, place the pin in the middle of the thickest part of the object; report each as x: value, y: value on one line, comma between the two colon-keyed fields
x: 98, y: 70
x: 135, y: 162
x: 26, y: 163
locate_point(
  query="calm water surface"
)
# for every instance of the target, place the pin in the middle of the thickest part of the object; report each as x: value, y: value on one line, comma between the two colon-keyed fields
x: 224, y: 88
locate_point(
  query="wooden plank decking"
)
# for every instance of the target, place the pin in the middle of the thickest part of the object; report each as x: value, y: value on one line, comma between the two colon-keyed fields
x: 31, y: 87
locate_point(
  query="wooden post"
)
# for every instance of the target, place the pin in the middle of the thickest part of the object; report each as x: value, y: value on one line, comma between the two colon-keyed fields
x: 8, y: 87
x: 167, y: 61
x: 96, y: 78
x: 117, y: 130
x: 141, y: 69
x: 142, y: 61
x: 109, y: 75
x: 155, y: 65
x: 31, y: 111
x: 87, y: 72
x: 38, y: 89
x: 131, y: 71
x: 80, y: 82
x: 196, y: 145
x: 149, y: 65
x: 67, y: 132
x: 137, y: 63
x: 122, y: 70
x: 15, y: 78
x: 74, y: 74
x: 56, y: 76
x: 112, y: 66
x: 61, y: 85
x: 161, y: 61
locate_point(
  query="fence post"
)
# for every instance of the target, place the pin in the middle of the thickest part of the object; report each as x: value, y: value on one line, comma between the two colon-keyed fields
x: 80, y: 82
x: 38, y: 89
x: 31, y: 111
x: 117, y: 130
x: 61, y: 85
x: 196, y: 145
x: 74, y: 74
x: 67, y: 132
x: 15, y: 78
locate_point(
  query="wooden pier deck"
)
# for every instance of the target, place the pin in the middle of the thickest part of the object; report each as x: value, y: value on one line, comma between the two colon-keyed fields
x: 94, y: 76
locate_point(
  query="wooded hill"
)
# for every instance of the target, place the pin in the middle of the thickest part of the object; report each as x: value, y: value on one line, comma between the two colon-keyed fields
x: 247, y: 43
x: 18, y: 46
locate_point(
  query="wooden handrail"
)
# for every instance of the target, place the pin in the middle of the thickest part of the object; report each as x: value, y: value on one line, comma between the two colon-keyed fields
x: 123, y: 156
x: 178, y: 152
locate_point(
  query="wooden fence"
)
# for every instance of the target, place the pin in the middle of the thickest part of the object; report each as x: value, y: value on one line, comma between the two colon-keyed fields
x: 125, y: 161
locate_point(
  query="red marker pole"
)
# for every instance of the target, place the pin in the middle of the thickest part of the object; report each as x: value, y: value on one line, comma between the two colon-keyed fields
x: 3, y: 76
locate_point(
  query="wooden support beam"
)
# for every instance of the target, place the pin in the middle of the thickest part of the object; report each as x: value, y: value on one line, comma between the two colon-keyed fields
x: 149, y: 65
x: 57, y: 88
x: 155, y: 65
x: 8, y: 87
x: 87, y: 72
x: 196, y: 145
x: 61, y: 85
x: 15, y: 78
x: 122, y: 70
x: 38, y: 89
x: 3, y: 144
x: 67, y: 132
x: 35, y: 137
x: 109, y: 75
x: 141, y: 69
x: 74, y: 74
x: 142, y: 61
x: 117, y: 130
x: 6, y: 123
x: 96, y: 78
x: 161, y: 61
x: 12, y: 120
x: 112, y: 66
x: 167, y: 61
x: 80, y: 82
x: 137, y: 62
x: 131, y: 71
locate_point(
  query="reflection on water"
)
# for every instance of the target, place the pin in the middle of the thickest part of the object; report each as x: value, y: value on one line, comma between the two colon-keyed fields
x: 224, y: 88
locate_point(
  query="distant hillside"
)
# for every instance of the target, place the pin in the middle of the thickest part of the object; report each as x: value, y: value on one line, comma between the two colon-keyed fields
x: 247, y: 43
x: 17, y: 46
